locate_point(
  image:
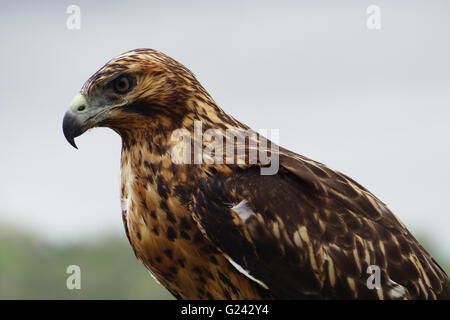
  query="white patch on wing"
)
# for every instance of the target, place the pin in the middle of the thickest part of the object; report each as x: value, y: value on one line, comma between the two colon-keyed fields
x: 397, y: 291
x: 245, y: 272
x: 154, y: 278
x: 243, y: 210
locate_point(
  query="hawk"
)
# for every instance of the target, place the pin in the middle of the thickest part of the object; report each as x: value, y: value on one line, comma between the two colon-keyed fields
x: 215, y: 229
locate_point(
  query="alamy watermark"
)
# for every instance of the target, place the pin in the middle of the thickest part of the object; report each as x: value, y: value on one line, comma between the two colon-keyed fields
x: 73, y: 21
x: 74, y: 280
x: 374, y: 280
x: 234, y: 146
x: 374, y: 19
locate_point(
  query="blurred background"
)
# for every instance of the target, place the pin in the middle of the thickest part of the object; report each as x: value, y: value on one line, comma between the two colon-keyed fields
x: 374, y: 104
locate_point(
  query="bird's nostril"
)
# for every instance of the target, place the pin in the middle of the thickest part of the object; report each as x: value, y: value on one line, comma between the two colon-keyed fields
x: 81, y: 108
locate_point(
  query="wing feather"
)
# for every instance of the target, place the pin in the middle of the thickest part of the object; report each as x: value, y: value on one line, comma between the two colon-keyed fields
x: 312, y: 233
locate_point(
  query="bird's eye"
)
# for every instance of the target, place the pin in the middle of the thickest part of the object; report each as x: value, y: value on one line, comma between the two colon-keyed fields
x: 122, y: 84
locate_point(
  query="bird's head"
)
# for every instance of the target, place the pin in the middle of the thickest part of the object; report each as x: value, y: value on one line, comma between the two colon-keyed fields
x: 129, y: 91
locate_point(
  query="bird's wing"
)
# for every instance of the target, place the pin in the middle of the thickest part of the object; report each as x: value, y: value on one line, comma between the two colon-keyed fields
x: 311, y: 232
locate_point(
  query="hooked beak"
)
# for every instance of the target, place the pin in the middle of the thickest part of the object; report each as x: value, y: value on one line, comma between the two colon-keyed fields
x: 82, y: 116
x: 74, y: 122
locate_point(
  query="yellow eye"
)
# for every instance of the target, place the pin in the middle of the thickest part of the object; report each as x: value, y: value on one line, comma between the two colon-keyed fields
x: 122, y: 84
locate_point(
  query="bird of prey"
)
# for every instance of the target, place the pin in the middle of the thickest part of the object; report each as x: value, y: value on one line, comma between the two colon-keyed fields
x: 224, y: 230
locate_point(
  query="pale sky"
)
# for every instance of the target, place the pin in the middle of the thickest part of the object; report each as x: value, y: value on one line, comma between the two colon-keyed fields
x: 372, y: 104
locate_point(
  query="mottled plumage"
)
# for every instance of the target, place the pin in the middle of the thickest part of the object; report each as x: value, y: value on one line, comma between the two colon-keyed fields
x: 224, y: 231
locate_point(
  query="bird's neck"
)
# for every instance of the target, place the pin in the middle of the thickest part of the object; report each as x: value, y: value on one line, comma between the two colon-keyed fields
x: 161, y: 134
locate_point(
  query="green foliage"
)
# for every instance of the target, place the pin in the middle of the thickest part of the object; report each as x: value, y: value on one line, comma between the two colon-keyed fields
x: 440, y: 258
x: 32, y: 269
